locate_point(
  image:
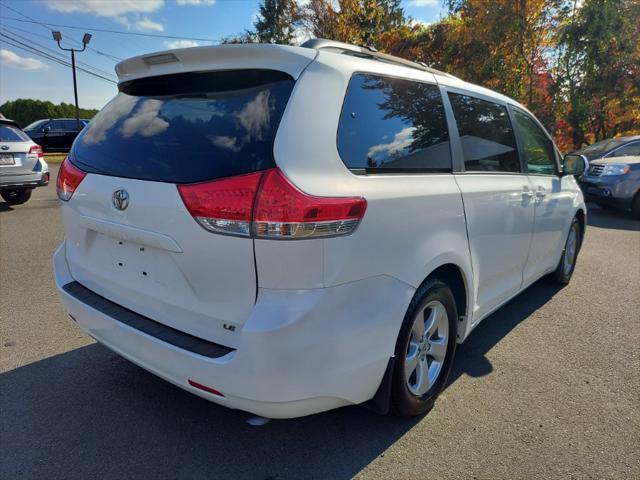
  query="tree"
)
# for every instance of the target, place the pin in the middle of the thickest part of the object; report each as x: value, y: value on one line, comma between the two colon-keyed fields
x: 576, y: 67
x: 26, y: 110
x: 599, y: 68
x: 360, y: 22
x: 320, y: 18
x: 505, y: 45
x: 245, y: 37
x: 276, y: 22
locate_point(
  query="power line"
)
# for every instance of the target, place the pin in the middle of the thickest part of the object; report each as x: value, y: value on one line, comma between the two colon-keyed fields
x: 44, y: 25
x: 61, y: 62
x: 40, y: 53
x: 13, y: 32
x: 32, y: 51
x: 10, y: 30
x: 55, y: 57
x: 120, y: 32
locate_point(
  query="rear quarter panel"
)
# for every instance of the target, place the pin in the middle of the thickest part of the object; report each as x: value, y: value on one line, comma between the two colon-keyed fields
x: 413, y: 223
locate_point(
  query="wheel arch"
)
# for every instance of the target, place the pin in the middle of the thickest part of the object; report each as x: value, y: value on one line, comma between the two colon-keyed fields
x: 460, y: 284
x: 582, y: 218
x: 455, y: 278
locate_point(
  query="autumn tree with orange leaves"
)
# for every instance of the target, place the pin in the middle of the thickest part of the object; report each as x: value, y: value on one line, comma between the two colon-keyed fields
x: 577, y: 67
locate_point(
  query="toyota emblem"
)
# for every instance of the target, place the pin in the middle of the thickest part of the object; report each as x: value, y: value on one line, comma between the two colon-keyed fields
x: 120, y: 199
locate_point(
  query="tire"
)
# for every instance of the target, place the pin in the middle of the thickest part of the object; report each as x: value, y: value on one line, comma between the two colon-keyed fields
x: 635, y: 207
x: 564, y: 271
x: 433, y: 353
x: 16, y: 197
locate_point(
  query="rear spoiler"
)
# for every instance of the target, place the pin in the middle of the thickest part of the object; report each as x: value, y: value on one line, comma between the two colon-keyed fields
x: 291, y: 60
x: 6, y: 121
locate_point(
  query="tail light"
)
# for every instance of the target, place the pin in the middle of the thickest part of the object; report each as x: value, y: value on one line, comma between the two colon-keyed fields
x: 69, y: 177
x: 267, y: 205
x: 283, y: 211
x: 36, y: 151
x: 223, y: 206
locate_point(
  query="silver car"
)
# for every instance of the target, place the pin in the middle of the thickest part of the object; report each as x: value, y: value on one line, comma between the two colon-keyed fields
x: 22, y: 166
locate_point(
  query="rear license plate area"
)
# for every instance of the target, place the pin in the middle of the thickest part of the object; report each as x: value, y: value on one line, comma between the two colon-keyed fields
x: 7, y: 159
x: 131, y: 259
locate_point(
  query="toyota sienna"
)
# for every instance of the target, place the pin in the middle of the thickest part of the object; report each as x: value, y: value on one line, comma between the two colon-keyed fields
x: 287, y: 230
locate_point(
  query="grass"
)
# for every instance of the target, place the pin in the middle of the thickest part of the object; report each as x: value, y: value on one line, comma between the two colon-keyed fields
x: 54, y: 157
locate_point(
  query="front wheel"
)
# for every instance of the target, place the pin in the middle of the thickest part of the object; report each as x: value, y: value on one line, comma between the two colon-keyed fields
x: 16, y: 197
x: 567, y: 265
x: 424, y: 349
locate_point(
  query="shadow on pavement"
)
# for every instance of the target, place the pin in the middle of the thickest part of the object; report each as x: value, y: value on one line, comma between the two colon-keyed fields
x: 471, y: 355
x: 5, y: 207
x: 89, y: 413
x: 619, y: 220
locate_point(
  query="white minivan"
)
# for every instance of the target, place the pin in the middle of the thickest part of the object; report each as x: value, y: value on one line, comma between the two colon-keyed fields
x: 287, y: 230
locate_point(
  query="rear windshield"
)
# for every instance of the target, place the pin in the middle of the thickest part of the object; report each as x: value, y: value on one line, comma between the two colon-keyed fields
x: 187, y: 127
x: 12, y: 134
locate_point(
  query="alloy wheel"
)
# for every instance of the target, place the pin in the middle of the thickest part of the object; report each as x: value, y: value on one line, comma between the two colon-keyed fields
x: 427, y: 347
x: 571, y: 249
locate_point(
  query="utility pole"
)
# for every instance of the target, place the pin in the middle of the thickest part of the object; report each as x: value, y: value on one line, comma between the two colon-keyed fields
x: 57, y: 36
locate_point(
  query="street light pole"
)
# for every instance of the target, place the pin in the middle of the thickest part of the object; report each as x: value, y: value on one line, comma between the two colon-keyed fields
x: 75, y: 88
x: 57, y: 36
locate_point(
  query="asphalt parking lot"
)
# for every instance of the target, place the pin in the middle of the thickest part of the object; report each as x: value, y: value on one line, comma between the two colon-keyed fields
x: 547, y: 387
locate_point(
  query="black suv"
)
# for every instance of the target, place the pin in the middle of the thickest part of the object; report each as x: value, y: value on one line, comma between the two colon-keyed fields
x: 55, y: 134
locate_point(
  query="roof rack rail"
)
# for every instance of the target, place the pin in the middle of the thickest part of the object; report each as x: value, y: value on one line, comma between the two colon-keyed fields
x: 368, y: 52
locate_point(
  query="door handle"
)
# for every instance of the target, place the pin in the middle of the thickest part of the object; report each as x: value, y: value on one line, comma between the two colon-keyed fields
x: 526, y: 193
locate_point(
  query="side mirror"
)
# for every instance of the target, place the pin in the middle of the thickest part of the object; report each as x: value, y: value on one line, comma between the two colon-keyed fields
x: 46, y: 129
x: 574, y: 164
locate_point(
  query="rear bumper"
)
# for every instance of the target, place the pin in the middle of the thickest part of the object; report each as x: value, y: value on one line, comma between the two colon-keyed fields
x: 28, y: 180
x: 301, y: 351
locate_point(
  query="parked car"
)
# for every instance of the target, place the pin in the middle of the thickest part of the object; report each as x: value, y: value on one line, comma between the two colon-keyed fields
x: 287, y: 230
x: 55, y: 134
x: 612, y: 147
x: 22, y: 166
x: 614, y: 183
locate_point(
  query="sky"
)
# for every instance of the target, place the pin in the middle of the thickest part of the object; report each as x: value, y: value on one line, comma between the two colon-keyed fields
x: 25, y: 73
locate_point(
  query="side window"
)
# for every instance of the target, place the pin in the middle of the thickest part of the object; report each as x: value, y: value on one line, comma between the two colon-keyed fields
x: 628, y: 150
x: 71, y: 125
x: 393, y: 124
x: 487, y: 138
x: 538, y: 149
x: 56, y: 125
